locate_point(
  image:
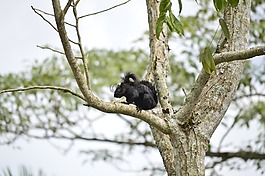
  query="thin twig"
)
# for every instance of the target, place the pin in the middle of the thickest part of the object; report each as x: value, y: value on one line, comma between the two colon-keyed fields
x: 249, y: 95
x: 77, y: 137
x: 48, y: 48
x: 245, y: 155
x: 76, y: 43
x: 239, y: 55
x: 77, y: 1
x: 56, y: 51
x: 84, y: 58
x: 45, y: 13
x: 69, y: 24
x: 36, y: 11
x: 50, y: 14
x: 105, y: 10
x: 62, y: 89
x: 228, y: 130
x: 67, y: 6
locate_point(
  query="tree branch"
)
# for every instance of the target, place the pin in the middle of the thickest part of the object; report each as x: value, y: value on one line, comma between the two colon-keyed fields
x: 229, y: 129
x: 240, y: 154
x: 105, y: 10
x: 37, y: 12
x: 67, y: 6
x: 249, y: 95
x: 84, y: 58
x: 92, y: 100
x: 49, y: 48
x: 192, y: 98
x: 62, y: 89
x: 239, y: 55
x: 56, y: 51
x: 95, y: 139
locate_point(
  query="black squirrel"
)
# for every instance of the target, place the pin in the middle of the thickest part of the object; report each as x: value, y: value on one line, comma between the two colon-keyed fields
x: 141, y: 93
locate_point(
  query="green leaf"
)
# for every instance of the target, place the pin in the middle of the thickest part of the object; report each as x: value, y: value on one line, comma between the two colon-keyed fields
x: 175, y: 24
x: 219, y: 4
x: 224, y: 28
x: 207, y: 60
x: 159, y: 25
x: 233, y: 3
x: 165, y: 5
x: 169, y: 24
x: 180, y: 6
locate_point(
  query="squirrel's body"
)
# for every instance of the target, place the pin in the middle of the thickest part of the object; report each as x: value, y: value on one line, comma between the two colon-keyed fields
x: 141, y: 93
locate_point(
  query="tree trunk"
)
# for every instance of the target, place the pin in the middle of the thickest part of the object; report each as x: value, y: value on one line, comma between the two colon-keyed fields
x: 193, y: 125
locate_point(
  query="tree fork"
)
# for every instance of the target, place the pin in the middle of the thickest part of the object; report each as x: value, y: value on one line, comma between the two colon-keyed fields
x: 193, y: 126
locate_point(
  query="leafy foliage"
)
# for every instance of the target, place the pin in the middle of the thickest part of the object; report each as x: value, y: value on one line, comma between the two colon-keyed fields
x: 224, y: 28
x: 219, y: 4
x: 166, y: 16
x: 207, y: 60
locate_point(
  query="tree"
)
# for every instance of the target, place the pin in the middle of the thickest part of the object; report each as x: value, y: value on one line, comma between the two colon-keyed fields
x: 181, y: 136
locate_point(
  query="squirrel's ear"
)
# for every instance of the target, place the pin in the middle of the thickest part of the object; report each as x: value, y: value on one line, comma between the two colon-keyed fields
x: 131, y: 80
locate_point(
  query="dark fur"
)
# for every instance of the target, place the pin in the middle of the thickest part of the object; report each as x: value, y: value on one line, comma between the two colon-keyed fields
x: 141, y: 93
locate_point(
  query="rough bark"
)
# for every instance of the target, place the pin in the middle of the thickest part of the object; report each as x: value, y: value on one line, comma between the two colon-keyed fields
x: 221, y: 87
x: 215, y: 97
x: 157, y: 71
x: 193, y: 125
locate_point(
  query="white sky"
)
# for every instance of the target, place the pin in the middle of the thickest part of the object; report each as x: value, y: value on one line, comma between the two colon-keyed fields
x: 21, y: 30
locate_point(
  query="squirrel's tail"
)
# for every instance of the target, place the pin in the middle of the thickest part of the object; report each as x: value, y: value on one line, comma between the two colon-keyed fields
x: 130, y: 78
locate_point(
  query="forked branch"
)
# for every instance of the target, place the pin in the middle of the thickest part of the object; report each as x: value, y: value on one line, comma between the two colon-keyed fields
x: 192, y: 98
x: 105, y: 10
x: 37, y: 11
x: 80, y: 45
x: 92, y: 100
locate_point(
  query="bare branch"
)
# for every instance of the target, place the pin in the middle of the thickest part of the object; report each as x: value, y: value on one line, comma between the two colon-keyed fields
x: 105, y: 10
x: 62, y: 89
x: 69, y: 24
x: 76, y: 43
x: 49, y: 48
x: 37, y: 12
x: 45, y: 13
x: 240, y: 154
x: 67, y: 6
x: 129, y: 142
x: 249, y: 95
x: 77, y: 1
x: 84, y: 58
x: 239, y: 55
x: 54, y: 50
x: 229, y: 129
